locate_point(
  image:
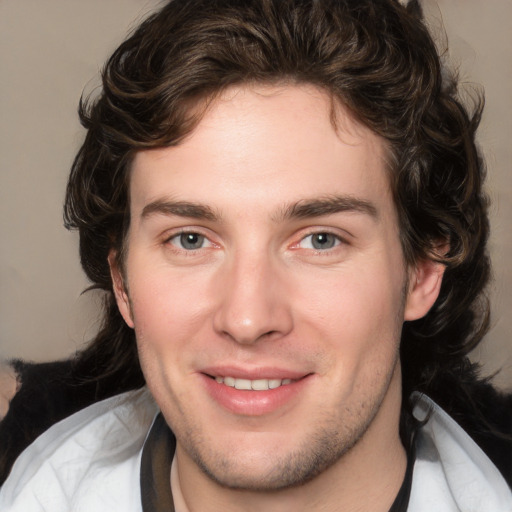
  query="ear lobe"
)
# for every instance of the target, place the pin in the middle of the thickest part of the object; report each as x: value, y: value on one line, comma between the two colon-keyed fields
x: 122, y: 299
x: 424, y: 287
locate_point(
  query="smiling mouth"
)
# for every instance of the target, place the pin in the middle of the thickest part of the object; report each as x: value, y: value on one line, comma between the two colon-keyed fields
x: 253, y: 385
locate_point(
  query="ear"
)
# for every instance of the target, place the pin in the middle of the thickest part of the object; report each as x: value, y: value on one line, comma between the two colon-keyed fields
x: 424, y: 286
x: 122, y: 298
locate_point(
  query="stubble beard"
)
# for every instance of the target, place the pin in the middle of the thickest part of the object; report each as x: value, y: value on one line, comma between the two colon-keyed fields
x: 291, y: 470
x: 322, y: 449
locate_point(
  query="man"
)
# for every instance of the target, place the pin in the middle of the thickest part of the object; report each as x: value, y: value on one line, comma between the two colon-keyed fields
x: 283, y: 200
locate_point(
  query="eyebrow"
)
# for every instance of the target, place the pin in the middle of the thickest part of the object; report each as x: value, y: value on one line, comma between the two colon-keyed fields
x: 180, y: 209
x: 311, y: 208
x: 329, y: 205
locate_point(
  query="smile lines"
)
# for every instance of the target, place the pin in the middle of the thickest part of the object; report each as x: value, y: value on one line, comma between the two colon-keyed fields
x: 254, y: 385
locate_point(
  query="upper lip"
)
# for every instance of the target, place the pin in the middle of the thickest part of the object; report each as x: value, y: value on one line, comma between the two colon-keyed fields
x: 262, y: 372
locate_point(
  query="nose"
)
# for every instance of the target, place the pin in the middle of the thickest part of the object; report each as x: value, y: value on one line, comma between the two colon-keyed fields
x: 253, y: 302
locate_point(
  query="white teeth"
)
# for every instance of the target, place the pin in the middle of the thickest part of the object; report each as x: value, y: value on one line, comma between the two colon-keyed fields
x: 256, y: 385
x: 243, y: 384
x: 229, y: 381
x: 260, y: 384
x: 274, y: 383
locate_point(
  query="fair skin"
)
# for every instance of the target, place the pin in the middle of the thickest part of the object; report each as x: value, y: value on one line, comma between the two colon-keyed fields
x: 8, y: 388
x: 265, y: 248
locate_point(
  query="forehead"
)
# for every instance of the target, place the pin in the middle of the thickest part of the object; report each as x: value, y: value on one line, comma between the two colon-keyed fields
x: 266, y: 146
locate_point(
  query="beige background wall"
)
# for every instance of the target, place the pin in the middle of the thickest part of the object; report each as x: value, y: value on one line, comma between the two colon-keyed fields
x: 51, y: 49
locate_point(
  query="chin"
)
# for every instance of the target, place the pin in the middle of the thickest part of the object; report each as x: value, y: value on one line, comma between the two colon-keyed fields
x: 276, y: 467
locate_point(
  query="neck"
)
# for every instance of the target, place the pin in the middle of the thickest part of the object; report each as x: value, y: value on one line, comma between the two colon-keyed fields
x: 367, y: 478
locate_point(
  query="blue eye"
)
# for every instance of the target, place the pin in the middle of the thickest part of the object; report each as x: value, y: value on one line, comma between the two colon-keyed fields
x: 189, y: 241
x: 320, y: 241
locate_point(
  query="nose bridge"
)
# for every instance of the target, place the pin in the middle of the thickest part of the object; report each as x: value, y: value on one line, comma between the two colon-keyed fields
x: 251, y: 304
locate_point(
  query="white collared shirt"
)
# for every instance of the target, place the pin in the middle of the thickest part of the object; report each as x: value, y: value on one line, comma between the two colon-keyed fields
x: 90, y: 462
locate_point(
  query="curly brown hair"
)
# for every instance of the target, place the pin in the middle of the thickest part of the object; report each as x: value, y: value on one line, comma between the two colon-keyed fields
x: 374, y: 56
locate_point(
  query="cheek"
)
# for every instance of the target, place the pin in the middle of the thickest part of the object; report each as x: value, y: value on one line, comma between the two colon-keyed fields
x: 166, y: 319
x: 352, y: 299
x: 357, y: 315
x: 167, y: 307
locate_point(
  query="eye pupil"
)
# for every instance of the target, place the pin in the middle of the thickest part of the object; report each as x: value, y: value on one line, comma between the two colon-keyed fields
x: 191, y: 240
x: 323, y: 241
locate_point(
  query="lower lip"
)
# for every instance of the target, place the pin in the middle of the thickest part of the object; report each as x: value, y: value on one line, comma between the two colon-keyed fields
x: 253, y: 403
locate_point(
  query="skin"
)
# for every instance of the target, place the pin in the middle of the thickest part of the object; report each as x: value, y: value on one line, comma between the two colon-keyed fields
x: 272, y: 285
x: 8, y: 388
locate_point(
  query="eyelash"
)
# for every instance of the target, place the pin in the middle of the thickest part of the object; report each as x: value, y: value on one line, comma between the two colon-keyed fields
x: 182, y: 233
x: 338, y: 240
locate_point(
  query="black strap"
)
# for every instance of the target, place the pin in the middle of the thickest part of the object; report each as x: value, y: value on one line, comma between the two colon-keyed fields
x: 401, y: 502
x: 155, y: 468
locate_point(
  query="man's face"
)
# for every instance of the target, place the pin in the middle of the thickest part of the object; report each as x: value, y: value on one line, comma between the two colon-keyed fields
x: 264, y: 253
